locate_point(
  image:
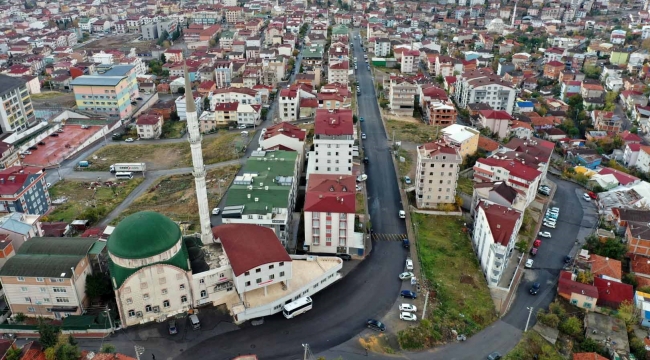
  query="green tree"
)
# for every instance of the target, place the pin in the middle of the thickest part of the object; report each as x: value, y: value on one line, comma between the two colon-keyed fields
x: 108, y: 349
x: 49, y: 334
x: 591, y: 71
x: 611, y: 248
x: 206, y: 103
x: 13, y: 353
x: 67, y: 352
x: 571, y: 326
x: 627, y: 313
x: 548, y: 319
x: 181, y: 90
x: 98, y: 286
x: 163, y: 58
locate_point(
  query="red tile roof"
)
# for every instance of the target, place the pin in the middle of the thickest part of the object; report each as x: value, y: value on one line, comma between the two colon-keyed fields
x: 12, y: 179
x: 628, y: 136
x: 588, y: 356
x: 605, y: 266
x: 622, y: 177
x: 309, y: 103
x: 227, y: 106
x: 612, y: 293
x: 502, y: 221
x: 555, y: 63
x: 439, y: 148
x: 333, y: 122
x: 286, y: 130
x: 495, y: 114
x: 148, y: 119
x: 515, y: 168
x: 487, y: 144
x: 634, y: 147
x: 566, y: 287
x: 340, y: 66
x: 249, y: 246
x: 331, y: 193
x: 640, y: 264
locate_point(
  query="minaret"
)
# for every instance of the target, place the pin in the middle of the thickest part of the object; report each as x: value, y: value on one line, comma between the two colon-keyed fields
x: 514, y: 14
x: 197, y: 161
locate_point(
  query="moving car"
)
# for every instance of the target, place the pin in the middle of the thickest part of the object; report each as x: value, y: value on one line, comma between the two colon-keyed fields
x: 409, y: 264
x: 406, y: 275
x: 407, y: 316
x: 534, y: 289
x: 216, y: 211
x: 375, y: 325
x: 407, y: 180
x: 402, y: 214
x: 544, y: 234
x: 407, y: 308
x: 171, y: 326
x: 529, y: 264
x: 408, y: 294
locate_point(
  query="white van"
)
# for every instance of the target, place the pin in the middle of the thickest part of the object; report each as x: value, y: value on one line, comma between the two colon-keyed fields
x: 194, y: 320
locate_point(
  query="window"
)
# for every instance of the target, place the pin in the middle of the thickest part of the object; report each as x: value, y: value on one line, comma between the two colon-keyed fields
x: 181, y: 287
x: 281, y: 273
x: 20, y: 278
x: 183, y: 299
x: 166, y: 303
x: 131, y: 313
x: 62, y: 300
x: 247, y: 273
x: 271, y: 277
x: 31, y: 309
x: 271, y: 267
x: 281, y: 263
x: 59, y: 290
x: 23, y: 288
x: 204, y: 293
x: 43, y: 289
x: 129, y: 301
x: 145, y: 296
x: 148, y: 308
x: 47, y: 300
x: 40, y: 279
x: 259, y: 280
x: 258, y: 270
x: 28, y: 299
x: 248, y: 283
x: 201, y: 281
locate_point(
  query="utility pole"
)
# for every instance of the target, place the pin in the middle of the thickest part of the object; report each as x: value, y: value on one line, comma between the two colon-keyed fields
x: 426, y: 300
x: 139, y: 350
x: 530, y: 312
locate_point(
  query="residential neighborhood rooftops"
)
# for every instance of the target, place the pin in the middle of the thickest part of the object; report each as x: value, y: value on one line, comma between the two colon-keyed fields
x: 331, y: 193
x: 333, y: 122
x: 502, y: 221
x: 285, y: 129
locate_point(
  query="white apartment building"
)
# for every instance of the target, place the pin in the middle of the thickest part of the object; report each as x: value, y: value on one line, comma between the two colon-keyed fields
x: 338, y: 72
x: 248, y: 115
x: 495, y: 234
x: 283, y: 136
x: 240, y: 95
x: 289, y: 102
x: 643, y: 160
x: 401, y: 95
x: 410, y: 61
x: 16, y: 111
x: 521, y: 177
x: 333, y: 142
x: 330, y: 208
x: 645, y: 32
x: 149, y: 126
x: 479, y: 87
x: 631, y: 154
x: 382, y: 47
x: 436, y: 174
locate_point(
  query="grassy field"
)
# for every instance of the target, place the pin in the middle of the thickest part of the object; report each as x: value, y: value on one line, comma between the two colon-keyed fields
x: 361, y: 204
x: 165, y: 156
x: 46, y: 95
x: 406, y: 166
x: 417, y: 133
x: 459, y: 298
x: 173, y: 129
x: 533, y: 346
x: 465, y: 185
x: 174, y: 196
x: 81, y: 199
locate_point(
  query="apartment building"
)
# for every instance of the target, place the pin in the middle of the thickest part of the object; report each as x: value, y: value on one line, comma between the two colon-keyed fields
x: 234, y: 14
x: 149, y: 126
x: 337, y: 72
x: 515, y: 173
x: 495, y: 234
x: 401, y: 95
x: 289, y: 102
x: 265, y: 193
x: 643, y: 158
x: 497, y: 121
x: 47, y: 277
x: 284, y: 136
x: 441, y: 113
x: 410, y: 62
x: 241, y: 95
x: 464, y: 138
x: 382, y: 47
x: 109, y: 93
x: 23, y: 189
x: 436, y: 174
x: 226, y: 112
x: 16, y: 112
x: 223, y: 73
x: 333, y: 141
x: 330, y: 208
x: 481, y: 86
x: 249, y: 115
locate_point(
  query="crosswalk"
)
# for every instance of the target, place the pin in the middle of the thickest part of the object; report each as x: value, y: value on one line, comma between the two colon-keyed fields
x: 389, y: 237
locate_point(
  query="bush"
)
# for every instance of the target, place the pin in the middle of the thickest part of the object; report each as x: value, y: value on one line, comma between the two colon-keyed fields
x: 571, y: 326
x: 548, y: 319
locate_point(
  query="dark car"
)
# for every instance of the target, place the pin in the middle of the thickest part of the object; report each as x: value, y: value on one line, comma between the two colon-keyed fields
x: 41, y: 143
x: 172, y: 327
x: 494, y: 356
x: 534, y: 289
x: 365, y: 160
x: 139, y: 98
x: 375, y: 325
x: 345, y: 257
x: 33, y: 147
x: 567, y: 259
x: 406, y: 244
x: 54, y: 134
x: 408, y: 294
x: 533, y: 251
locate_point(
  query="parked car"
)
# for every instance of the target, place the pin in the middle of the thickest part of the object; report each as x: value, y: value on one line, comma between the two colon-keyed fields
x: 407, y: 316
x: 533, y: 251
x: 359, y: 188
x: 362, y: 177
x: 409, y: 264
x: 406, y: 275
x: 363, y: 136
x: 344, y: 257
x: 402, y: 214
x: 529, y: 264
x: 360, y: 119
x: 586, y: 197
x: 534, y: 289
x: 171, y: 326
x: 406, y: 244
x: 549, y: 225
x: 216, y: 211
x: 375, y: 325
x: 33, y: 147
x: 592, y: 195
x: 494, y: 356
x: 408, y: 294
x: 41, y: 143
x: 407, y: 308
x: 544, y: 234
x: 129, y: 140
x: 407, y: 180
x: 241, y: 127
x: 366, y: 160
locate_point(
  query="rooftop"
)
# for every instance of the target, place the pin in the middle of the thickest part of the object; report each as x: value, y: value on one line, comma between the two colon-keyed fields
x: 502, y: 221
x: 567, y: 286
x: 97, y: 80
x: 612, y: 293
x: 605, y: 266
x: 459, y: 133
x: 331, y: 193
x: 9, y: 83
x: 333, y: 122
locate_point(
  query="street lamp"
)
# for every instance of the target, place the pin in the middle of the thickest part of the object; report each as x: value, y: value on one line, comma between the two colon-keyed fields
x: 530, y: 312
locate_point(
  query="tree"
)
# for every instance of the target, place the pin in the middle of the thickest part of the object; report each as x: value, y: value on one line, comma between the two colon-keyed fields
x: 14, y: 353
x: 163, y: 58
x: 571, y: 326
x: 49, y: 334
x: 591, y: 71
x: 67, y: 352
x: 627, y: 313
x: 107, y: 349
x: 585, y: 277
x: 181, y: 90
x: 611, y: 248
x: 206, y: 103
x: 98, y: 286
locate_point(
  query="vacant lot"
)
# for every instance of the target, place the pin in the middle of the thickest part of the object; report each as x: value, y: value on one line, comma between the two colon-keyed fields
x: 166, y: 156
x: 415, y: 132
x: 465, y: 185
x: 88, y: 202
x: 405, y: 168
x: 175, y: 196
x: 459, y: 296
x: 53, y: 98
x: 173, y: 129
x: 122, y: 42
x: 533, y: 346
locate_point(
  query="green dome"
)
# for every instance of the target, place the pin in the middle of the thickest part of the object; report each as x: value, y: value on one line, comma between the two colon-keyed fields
x: 143, y: 235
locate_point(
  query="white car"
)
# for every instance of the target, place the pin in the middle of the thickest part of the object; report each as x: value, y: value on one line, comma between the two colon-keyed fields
x: 406, y: 275
x: 409, y: 264
x: 48, y: 185
x: 402, y: 214
x: 549, y: 225
x: 544, y: 234
x: 555, y: 209
x: 216, y: 211
x: 241, y: 127
x: 362, y: 177
x: 407, y: 308
x: 586, y: 197
x: 363, y: 136
x: 407, y: 316
x: 529, y: 263
x: 129, y: 140
x: 359, y: 188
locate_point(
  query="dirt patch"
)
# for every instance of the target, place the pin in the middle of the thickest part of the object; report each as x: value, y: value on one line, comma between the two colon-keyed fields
x: 123, y: 42
x: 377, y: 343
x: 409, y: 119
x: 466, y: 279
x: 53, y: 98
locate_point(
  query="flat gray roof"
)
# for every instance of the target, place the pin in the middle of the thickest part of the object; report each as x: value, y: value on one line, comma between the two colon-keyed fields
x: 118, y: 70
x: 8, y: 83
x: 97, y: 80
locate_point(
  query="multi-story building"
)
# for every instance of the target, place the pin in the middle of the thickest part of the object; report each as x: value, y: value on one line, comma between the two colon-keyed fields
x: 497, y: 121
x: 409, y: 61
x: 249, y: 115
x: 333, y: 141
x: 47, y: 277
x: 480, y: 86
x: 401, y: 95
x: 289, y: 102
x: 149, y: 31
x: 462, y: 137
x: 149, y: 126
x: 436, y: 174
x: 16, y: 112
x: 23, y: 189
x: 312, y: 56
x: 382, y: 47
x: 223, y: 73
x: 240, y: 95
x: 643, y: 158
x: 283, y: 136
x: 226, y: 112
x: 265, y: 193
x: 234, y: 14
x: 338, y: 72
x: 515, y: 173
x: 109, y: 93
x: 441, y: 113
x: 330, y: 208
x: 495, y: 233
